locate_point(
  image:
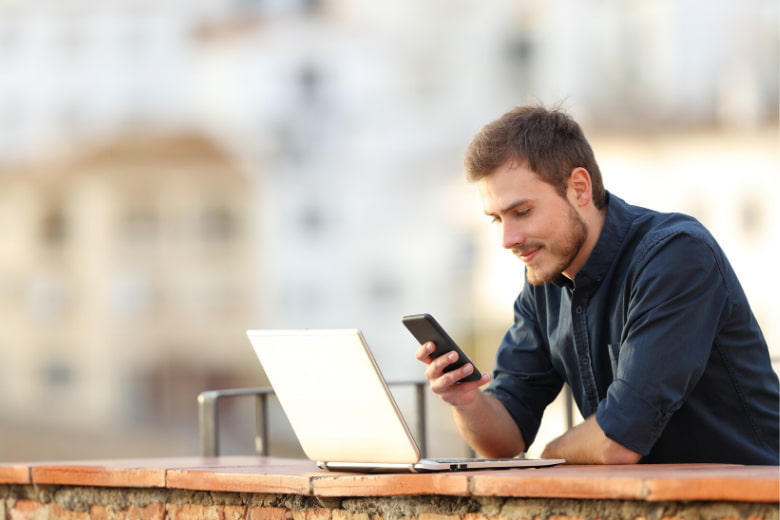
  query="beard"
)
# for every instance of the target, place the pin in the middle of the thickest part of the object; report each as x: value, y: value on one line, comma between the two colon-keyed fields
x: 563, y: 250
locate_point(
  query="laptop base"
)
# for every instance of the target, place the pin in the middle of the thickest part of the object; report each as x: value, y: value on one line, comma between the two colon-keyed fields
x: 438, y: 465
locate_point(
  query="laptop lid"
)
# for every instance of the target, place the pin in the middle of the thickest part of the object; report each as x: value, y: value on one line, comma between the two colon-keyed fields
x: 340, y: 407
x: 334, y: 396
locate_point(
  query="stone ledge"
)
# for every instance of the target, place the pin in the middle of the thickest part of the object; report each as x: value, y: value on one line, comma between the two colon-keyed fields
x: 271, y: 475
x: 30, y: 502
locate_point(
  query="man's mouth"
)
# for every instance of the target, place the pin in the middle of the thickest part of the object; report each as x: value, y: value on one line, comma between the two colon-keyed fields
x: 528, y: 256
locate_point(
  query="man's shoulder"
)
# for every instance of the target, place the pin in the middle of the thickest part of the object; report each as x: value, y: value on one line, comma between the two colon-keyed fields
x: 673, y: 230
x: 647, y: 229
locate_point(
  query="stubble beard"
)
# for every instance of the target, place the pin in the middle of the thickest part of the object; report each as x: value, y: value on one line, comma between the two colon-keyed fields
x: 563, y: 252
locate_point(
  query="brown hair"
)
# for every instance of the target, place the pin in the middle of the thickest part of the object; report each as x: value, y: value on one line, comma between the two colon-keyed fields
x: 549, y: 141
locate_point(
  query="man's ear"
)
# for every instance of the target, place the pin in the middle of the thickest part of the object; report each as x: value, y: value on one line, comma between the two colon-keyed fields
x: 580, y: 189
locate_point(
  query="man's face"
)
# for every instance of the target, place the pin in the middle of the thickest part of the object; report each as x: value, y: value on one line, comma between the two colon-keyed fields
x: 541, y: 228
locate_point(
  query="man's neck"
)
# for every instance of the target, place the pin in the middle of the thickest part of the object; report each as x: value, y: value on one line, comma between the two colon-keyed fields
x: 594, y: 219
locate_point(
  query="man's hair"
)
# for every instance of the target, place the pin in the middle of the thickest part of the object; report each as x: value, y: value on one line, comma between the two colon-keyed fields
x: 548, y: 141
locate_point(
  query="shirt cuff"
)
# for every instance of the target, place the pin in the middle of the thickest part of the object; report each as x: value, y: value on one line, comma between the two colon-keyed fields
x: 629, y: 420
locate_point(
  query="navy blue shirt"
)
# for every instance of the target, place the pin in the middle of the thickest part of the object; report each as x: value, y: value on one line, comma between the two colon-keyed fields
x: 655, y: 336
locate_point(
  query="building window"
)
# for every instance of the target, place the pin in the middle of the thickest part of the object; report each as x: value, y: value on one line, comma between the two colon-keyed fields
x: 57, y: 374
x: 217, y: 225
x: 751, y: 217
x: 312, y: 222
x: 54, y: 229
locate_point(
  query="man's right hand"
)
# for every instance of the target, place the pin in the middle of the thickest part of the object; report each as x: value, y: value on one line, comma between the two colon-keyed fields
x: 445, y: 384
x: 481, y: 419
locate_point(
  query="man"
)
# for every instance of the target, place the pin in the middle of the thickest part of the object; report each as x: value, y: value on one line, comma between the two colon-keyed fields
x: 639, y: 312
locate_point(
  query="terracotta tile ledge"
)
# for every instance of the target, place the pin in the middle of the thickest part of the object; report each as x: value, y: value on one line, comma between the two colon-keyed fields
x: 652, y: 483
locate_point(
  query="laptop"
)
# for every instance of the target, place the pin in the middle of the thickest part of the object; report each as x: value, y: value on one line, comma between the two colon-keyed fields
x: 341, y: 409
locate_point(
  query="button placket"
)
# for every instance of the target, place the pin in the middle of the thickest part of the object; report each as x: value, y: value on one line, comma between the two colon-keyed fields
x: 582, y: 347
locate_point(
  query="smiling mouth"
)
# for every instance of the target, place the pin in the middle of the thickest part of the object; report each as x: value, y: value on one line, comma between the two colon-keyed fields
x: 528, y: 256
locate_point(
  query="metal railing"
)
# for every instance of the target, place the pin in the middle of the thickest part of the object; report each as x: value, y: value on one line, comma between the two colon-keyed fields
x: 208, y: 416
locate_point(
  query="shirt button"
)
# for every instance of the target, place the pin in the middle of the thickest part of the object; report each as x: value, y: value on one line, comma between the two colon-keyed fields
x: 579, y: 309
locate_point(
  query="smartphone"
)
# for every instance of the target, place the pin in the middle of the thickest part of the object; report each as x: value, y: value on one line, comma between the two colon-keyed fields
x: 425, y: 328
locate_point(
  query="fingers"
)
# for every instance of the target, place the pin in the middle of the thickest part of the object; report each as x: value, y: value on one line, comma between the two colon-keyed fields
x: 447, y: 385
x: 449, y: 390
x: 424, y: 352
x: 442, y: 382
x: 435, y: 370
x: 436, y: 366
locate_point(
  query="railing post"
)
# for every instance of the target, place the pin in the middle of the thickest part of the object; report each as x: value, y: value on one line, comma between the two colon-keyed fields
x: 422, y: 431
x: 569, y: 400
x: 262, y: 439
x: 208, y: 421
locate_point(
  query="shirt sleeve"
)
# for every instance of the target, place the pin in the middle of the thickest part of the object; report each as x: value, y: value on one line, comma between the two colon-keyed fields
x: 677, y: 295
x: 524, y: 380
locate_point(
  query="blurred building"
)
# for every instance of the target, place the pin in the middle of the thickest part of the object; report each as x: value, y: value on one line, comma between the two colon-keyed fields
x: 173, y: 173
x: 122, y: 275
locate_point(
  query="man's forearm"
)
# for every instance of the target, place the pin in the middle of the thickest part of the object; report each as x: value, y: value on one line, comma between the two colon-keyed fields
x: 587, y: 443
x: 488, y: 428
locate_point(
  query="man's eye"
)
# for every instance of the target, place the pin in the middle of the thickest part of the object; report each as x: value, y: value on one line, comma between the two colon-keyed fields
x: 522, y: 212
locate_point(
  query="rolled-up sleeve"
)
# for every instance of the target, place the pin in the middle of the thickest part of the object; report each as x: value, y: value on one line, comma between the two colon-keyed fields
x: 678, y: 295
x: 524, y: 380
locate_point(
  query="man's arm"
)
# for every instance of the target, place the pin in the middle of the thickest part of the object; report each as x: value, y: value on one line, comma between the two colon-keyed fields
x: 481, y: 419
x: 586, y: 443
x: 488, y: 428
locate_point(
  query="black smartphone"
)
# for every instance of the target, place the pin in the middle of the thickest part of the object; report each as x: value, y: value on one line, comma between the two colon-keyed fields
x: 425, y: 328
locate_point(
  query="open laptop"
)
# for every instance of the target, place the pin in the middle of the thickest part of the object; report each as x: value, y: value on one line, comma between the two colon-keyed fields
x: 340, y: 406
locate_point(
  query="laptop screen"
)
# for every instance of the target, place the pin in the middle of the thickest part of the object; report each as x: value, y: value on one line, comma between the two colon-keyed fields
x: 334, y: 395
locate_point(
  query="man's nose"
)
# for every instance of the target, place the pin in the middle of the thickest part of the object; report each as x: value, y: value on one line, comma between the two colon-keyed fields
x: 511, y: 236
